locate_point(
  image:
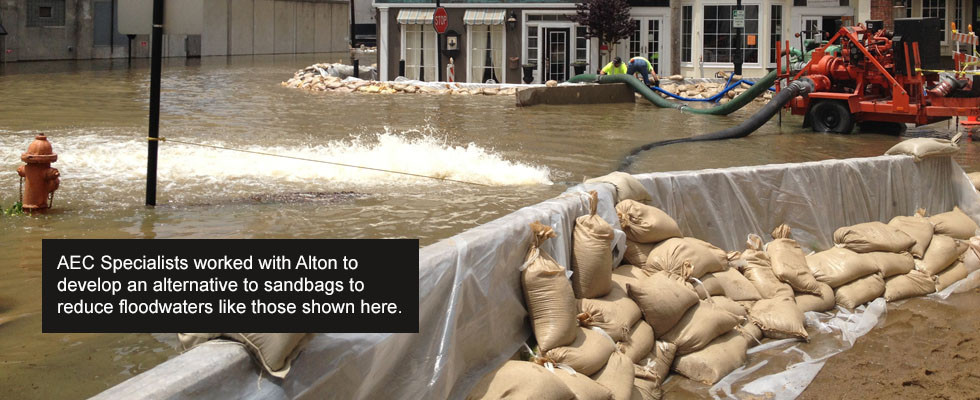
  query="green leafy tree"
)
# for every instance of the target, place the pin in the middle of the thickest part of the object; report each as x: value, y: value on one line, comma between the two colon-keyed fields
x: 609, y: 21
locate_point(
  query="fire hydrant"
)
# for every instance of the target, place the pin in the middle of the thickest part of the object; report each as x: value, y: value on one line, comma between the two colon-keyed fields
x: 40, y: 179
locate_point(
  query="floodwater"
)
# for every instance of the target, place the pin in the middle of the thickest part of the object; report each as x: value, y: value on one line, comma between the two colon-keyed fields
x: 95, y: 115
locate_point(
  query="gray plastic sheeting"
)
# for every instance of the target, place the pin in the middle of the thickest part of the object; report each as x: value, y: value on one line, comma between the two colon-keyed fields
x: 472, y: 316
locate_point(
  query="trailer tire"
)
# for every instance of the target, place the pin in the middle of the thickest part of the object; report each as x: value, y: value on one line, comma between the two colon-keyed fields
x: 831, y: 116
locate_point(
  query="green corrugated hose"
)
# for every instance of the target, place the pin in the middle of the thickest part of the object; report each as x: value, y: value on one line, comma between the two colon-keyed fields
x: 739, y: 101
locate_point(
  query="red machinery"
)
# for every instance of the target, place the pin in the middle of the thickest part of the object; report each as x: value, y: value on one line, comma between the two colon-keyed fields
x: 876, y: 80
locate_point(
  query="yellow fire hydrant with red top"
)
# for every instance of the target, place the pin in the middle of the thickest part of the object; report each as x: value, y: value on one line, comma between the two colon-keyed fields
x: 40, y: 180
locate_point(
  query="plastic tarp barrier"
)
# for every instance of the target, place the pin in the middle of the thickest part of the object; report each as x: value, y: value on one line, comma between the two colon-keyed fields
x: 471, y: 311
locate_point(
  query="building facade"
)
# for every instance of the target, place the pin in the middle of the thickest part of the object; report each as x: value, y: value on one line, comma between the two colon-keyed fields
x: 88, y: 29
x: 499, y: 40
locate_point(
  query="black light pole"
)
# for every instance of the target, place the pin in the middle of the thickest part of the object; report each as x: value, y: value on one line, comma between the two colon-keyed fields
x: 737, y: 57
x: 438, y: 51
x: 156, y: 42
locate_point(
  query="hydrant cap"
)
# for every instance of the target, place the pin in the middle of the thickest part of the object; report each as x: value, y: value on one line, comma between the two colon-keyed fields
x: 39, y: 151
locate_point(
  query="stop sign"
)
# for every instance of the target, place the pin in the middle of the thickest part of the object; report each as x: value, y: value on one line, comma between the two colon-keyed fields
x: 440, y: 20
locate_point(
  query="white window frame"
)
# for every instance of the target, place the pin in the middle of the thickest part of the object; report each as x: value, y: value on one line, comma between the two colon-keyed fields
x: 469, y: 52
x: 645, y: 14
x: 699, y: 32
x: 404, y: 46
x: 694, y: 35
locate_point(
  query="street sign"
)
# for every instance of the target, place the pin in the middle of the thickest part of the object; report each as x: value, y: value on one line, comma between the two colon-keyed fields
x: 440, y: 20
x: 738, y: 19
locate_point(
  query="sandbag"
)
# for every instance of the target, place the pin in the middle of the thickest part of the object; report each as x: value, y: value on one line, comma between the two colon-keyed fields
x: 950, y: 276
x: 717, y: 359
x: 971, y: 258
x: 639, y: 342
x: 891, y: 264
x: 954, y: 223
x: 758, y: 271
x: 662, y: 300
x: 942, y: 252
x: 274, y: 351
x: 730, y: 283
x: 730, y: 305
x: 548, y: 294
x: 873, y: 236
x: 656, y: 365
x: 627, y: 274
x: 918, y: 228
x: 617, y: 376
x: 592, y: 242
x: 913, y: 284
x: 838, y: 266
x: 821, y: 303
x: 645, y: 224
x: 974, y: 179
x: 636, y: 253
x: 614, y: 313
x: 672, y: 254
x: 925, y: 147
x: 644, y: 386
x: 789, y: 262
x: 860, y: 291
x: 751, y: 332
x: 779, y: 318
x: 586, y: 354
x: 520, y: 380
x: 627, y: 187
x: 583, y: 387
x: 700, y: 325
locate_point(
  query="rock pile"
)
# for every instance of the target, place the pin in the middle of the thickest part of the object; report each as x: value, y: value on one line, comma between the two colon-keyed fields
x: 336, y: 78
x: 704, y: 90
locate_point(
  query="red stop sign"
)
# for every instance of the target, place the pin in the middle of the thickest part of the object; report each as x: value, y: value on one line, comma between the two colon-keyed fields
x: 440, y: 20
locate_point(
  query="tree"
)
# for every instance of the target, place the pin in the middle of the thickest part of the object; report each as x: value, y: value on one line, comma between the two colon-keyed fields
x: 606, y: 20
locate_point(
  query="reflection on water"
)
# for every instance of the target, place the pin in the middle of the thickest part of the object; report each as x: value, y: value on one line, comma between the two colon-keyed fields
x: 95, y: 116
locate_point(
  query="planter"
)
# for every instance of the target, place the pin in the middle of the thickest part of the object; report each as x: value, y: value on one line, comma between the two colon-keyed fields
x: 529, y: 72
x: 579, y: 68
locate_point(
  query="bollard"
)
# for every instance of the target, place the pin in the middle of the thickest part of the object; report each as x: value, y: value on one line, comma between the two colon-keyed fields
x: 40, y: 180
x: 357, y: 68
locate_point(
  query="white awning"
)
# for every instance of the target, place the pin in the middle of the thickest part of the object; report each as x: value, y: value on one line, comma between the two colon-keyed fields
x: 483, y: 17
x: 416, y: 16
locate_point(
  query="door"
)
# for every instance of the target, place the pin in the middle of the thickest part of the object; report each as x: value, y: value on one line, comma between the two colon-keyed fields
x: 557, y: 49
x: 812, y: 27
x: 647, y: 41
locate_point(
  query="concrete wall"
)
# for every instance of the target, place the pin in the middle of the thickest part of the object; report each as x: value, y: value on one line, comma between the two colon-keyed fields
x: 232, y: 27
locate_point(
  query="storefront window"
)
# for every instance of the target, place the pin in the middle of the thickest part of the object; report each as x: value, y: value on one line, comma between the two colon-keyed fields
x: 486, y: 53
x: 719, y: 34
x: 687, y: 23
x: 775, y: 31
x: 420, y: 52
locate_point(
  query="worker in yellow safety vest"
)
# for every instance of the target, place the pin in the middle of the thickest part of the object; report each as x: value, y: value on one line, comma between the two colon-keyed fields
x: 640, y: 65
x: 614, y: 67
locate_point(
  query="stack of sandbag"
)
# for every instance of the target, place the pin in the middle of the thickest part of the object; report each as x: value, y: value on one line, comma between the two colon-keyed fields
x: 885, y: 251
x: 781, y: 272
x: 645, y: 226
x: 916, y: 282
x: 757, y: 269
x: 954, y: 231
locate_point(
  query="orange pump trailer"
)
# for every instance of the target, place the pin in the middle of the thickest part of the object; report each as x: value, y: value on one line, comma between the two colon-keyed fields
x: 867, y: 88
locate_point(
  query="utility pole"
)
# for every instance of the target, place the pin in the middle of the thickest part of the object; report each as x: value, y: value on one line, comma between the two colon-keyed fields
x: 438, y: 50
x: 737, y: 57
x: 156, y: 43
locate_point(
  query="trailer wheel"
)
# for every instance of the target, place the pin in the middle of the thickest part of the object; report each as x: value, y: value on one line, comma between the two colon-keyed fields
x: 831, y: 116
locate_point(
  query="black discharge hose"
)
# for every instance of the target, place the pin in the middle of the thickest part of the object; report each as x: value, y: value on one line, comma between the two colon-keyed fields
x: 799, y: 87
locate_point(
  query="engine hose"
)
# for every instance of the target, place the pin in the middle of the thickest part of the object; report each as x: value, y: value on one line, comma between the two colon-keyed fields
x: 799, y: 87
x: 761, y: 86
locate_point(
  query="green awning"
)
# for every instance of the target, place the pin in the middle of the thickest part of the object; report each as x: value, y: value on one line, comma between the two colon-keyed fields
x: 416, y: 16
x: 483, y: 17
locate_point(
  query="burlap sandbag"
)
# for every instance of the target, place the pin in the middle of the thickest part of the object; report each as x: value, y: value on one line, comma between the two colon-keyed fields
x: 639, y: 342
x: 584, y: 387
x: 645, y: 386
x: 860, y: 291
x: 812, y: 302
x: 275, y: 352
x: 730, y: 305
x: 925, y: 147
x: 548, y: 294
x: 891, y: 264
x: 838, y: 266
x: 636, y: 253
x: 662, y: 299
x: 617, y: 376
x: 918, y: 228
x: 751, y: 333
x: 592, y: 241
x: 779, y: 318
x: 873, y: 236
x: 913, y: 284
x: 954, y: 223
x: 520, y: 380
x: 627, y: 187
x: 942, y: 252
x: 789, y: 262
x: 671, y: 254
x: 626, y: 273
x: 645, y: 224
x: 951, y: 275
x: 699, y: 326
x: 717, y: 359
x: 730, y: 283
x: 586, y: 354
x: 656, y: 365
x: 971, y: 257
x: 615, y: 313
x: 758, y: 271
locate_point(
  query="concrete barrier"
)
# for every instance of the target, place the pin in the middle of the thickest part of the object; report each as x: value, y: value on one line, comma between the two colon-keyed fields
x: 576, y: 94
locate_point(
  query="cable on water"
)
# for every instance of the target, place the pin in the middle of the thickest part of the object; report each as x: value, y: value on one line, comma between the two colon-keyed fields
x: 163, y: 139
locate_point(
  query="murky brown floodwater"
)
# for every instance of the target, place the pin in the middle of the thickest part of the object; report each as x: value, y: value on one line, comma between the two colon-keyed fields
x: 95, y: 115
